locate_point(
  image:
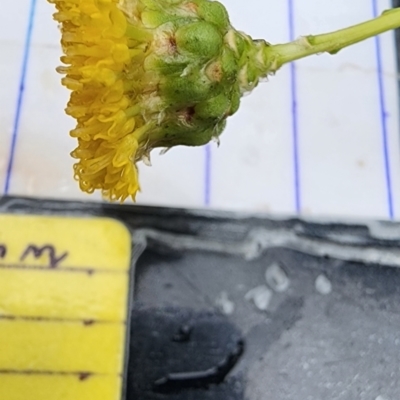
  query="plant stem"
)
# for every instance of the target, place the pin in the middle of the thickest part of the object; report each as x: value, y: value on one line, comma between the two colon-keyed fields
x: 280, y: 54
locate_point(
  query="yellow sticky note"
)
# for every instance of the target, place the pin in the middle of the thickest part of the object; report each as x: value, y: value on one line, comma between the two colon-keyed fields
x: 64, y: 289
x: 64, y: 242
x: 61, y: 346
x: 63, y: 294
x: 59, y: 387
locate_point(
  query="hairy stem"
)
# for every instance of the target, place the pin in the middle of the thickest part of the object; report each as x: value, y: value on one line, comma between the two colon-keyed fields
x: 280, y: 54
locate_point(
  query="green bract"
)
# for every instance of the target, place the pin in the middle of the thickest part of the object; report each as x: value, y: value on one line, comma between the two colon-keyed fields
x: 203, y: 67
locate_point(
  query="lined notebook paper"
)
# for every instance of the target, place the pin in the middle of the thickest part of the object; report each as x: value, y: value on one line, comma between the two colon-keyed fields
x: 321, y: 138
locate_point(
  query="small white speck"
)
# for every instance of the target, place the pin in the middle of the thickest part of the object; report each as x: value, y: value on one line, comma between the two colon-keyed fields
x: 223, y: 302
x: 323, y: 285
x: 261, y: 297
x: 146, y: 160
x: 277, y: 278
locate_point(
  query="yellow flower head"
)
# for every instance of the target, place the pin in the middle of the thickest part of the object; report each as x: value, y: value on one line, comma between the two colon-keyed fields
x: 146, y: 74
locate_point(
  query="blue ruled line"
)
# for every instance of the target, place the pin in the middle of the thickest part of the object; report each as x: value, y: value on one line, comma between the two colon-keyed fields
x: 207, y: 176
x: 21, y: 91
x: 384, y: 116
x: 294, y: 112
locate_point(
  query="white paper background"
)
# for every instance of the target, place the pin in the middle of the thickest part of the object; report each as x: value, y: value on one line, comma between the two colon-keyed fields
x: 346, y: 110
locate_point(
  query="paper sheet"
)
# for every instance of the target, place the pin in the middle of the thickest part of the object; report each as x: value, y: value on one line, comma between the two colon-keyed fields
x: 321, y: 138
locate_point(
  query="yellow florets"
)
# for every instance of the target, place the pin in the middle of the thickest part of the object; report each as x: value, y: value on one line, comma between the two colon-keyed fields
x: 98, y: 54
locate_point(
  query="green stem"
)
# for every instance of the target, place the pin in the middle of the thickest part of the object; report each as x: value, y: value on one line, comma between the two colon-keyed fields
x: 280, y: 54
